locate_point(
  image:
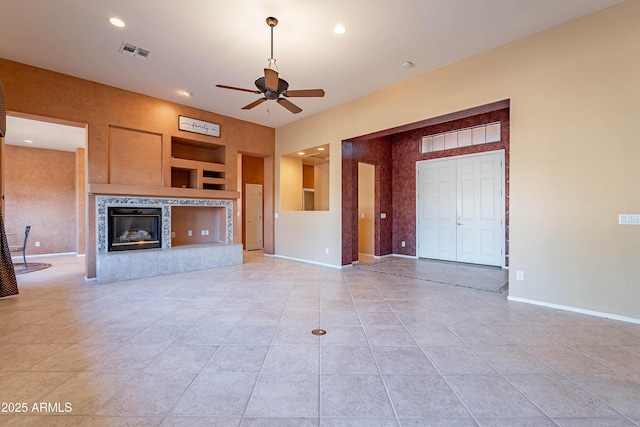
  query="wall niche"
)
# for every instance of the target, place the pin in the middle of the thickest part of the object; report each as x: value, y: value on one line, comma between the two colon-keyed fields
x: 198, y: 165
x: 304, y: 180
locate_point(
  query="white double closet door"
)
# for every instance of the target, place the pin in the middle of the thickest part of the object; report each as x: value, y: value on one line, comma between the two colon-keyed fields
x: 460, y: 207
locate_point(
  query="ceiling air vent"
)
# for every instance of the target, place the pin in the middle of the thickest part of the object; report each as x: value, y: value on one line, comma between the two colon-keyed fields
x: 142, y: 53
x: 131, y: 50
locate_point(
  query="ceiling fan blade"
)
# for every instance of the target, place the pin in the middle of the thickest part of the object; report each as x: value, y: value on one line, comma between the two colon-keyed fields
x: 289, y: 105
x: 271, y: 79
x: 238, y: 88
x: 304, y: 93
x: 254, y: 104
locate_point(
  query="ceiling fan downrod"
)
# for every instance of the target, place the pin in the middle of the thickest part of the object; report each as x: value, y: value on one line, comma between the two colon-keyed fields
x: 272, y: 22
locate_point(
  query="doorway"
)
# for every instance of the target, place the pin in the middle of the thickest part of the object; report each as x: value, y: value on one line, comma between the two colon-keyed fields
x: 366, y: 208
x: 460, y: 207
x: 44, y: 177
x: 253, y: 226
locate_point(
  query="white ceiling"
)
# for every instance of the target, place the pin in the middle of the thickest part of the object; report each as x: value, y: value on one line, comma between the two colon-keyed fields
x: 196, y: 44
x: 39, y: 134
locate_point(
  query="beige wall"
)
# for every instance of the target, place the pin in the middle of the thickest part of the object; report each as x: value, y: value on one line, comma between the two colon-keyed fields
x: 40, y: 191
x: 321, y: 186
x: 291, y: 181
x: 574, y: 126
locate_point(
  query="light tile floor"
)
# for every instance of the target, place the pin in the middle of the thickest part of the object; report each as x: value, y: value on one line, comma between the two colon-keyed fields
x: 233, y: 347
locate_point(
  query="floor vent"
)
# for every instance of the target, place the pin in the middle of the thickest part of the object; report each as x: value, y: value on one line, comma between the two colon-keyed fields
x: 131, y: 50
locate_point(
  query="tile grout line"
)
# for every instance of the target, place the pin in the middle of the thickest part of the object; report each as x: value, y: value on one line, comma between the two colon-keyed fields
x: 375, y: 359
x: 264, y: 361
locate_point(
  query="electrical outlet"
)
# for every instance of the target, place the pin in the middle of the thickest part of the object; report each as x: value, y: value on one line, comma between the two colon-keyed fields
x: 173, y: 234
x: 326, y: 250
x: 189, y: 233
x: 37, y: 244
x: 519, y: 275
x: 403, y: 244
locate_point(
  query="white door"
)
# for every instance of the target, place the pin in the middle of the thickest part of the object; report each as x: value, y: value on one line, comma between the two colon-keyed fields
x: 467, y: 223
x: 437, y: 209
x: 253, y: 217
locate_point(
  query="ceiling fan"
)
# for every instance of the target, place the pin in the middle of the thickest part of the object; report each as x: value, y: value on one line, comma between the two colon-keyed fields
x: 273, y: 87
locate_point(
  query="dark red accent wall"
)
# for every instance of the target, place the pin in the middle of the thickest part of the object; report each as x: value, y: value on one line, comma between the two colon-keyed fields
x: 349, y: 205
x: 377, y: 152
x: 395, y: 158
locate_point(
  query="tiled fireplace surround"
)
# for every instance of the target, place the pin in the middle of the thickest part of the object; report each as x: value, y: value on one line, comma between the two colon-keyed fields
x: 135, y: 264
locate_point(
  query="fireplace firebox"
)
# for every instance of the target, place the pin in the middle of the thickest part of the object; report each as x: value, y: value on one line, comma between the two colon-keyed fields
x: 131, y: 228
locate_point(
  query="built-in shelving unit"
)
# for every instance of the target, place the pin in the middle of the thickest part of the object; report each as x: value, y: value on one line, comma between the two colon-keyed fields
x: 198, y: 165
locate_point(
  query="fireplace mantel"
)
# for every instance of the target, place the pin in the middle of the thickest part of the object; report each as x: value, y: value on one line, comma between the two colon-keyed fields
x: 149, y: 191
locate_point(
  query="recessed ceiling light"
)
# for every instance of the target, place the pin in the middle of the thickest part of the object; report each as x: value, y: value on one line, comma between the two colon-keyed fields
x: 301, y: 153
x: 28, y: 141
x: 320, y: 149
x: 339, y: 29
x: 185, y: 93
x: 117, y: 22
x: 408, y: 64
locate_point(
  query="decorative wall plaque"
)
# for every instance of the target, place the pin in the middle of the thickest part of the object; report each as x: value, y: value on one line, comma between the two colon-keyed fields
x: 189, y: 124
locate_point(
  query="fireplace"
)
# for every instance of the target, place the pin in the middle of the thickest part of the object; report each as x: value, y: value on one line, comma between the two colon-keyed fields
x: 116, y: 215
x: 131, y: 228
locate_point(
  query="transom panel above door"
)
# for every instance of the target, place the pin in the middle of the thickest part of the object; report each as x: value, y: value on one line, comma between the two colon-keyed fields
x: 460, y: 209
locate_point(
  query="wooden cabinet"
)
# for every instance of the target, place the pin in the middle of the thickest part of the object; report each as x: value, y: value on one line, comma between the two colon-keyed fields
x: 198, y: 165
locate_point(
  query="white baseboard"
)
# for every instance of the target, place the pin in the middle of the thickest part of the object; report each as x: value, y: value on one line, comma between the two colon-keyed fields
x: 305, y: 261
x: 577, y: 310
x: 19, y: 257
x: 404, y: 256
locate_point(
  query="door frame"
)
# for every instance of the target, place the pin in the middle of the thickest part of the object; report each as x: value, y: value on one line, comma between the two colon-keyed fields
x: 371, y: 236
x: 503, y: 191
